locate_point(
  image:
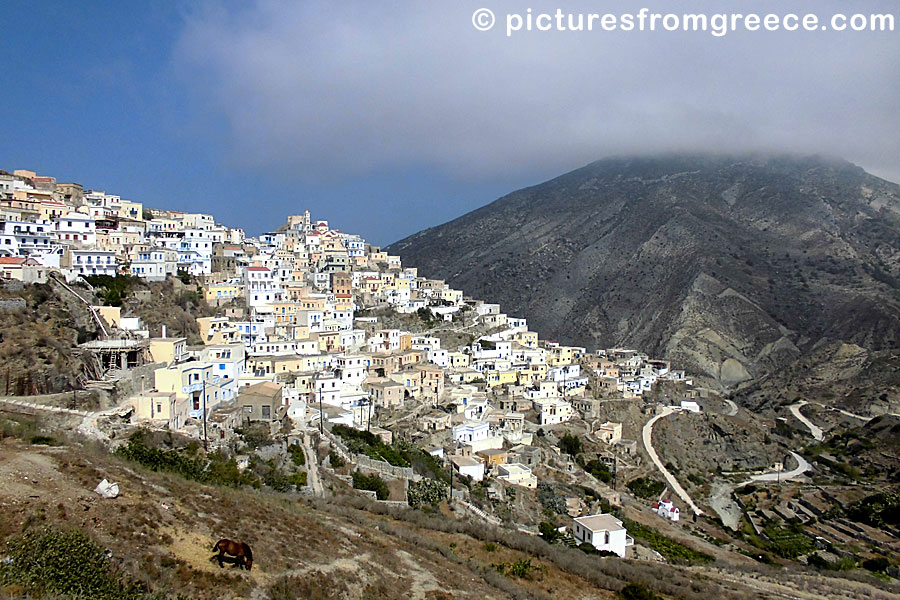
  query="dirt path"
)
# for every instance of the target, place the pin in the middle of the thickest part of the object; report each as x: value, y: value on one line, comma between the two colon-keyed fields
x: 312, y: 467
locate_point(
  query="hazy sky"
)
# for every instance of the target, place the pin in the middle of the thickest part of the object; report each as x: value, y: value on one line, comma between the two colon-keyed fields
x: 388, y: 117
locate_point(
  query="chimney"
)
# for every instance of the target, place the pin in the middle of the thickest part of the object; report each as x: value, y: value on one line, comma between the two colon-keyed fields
x: 163, y: 331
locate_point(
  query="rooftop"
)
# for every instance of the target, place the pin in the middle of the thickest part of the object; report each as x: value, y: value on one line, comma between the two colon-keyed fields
x: 601, y: 522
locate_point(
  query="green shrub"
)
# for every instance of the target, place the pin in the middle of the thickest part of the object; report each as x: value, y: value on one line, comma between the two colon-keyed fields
x: 645, y: 487
x: 372, y: 483
x: 214, y: 468
x: 876, y: 565
x: 878, y: 510
x: 297, y: 454
x: 549, y: 532
x: 336, y: 460
x: 44, y: 440
x: 599, y: 471
x: 64, y: 563
x: 426, y: 491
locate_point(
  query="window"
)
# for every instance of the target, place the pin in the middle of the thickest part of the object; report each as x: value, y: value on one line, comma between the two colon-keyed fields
x: 266, y: 411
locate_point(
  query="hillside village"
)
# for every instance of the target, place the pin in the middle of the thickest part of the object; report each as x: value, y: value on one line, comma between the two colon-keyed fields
x: 295, y: 338
x: 400, y: 386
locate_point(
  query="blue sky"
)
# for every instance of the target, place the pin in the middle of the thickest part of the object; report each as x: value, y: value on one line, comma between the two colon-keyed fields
x: 93, y: 96
x: 389, y: 117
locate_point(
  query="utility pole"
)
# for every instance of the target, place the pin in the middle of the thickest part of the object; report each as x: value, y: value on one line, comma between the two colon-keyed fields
x: 321, y: 414
x: 205, y: 439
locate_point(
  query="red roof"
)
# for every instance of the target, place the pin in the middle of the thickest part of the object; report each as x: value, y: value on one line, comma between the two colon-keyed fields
x: 11, y: 260
x: 257, y: 268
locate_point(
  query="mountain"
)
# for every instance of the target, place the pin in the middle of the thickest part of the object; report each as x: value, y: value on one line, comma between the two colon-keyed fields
x: 731, y: 266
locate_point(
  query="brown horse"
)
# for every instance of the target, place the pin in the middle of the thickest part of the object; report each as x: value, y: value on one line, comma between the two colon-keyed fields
x: 243, y: 556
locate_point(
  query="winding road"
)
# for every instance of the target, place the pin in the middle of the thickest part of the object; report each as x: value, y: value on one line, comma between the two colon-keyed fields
x: 647, y: 435
x: 732, y: 407
x: 802, y: 467
x: 815, y: 431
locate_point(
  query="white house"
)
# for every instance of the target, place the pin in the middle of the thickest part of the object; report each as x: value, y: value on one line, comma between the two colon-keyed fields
x: 466, y: 433
x: 92, y: 262
x: 468, y: 466
x: 603, y: 532
x: 77, y: 228
x: 517, y: 474
x: 553, y: 412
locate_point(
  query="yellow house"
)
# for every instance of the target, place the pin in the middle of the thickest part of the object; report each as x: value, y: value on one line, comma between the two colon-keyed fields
x: 157, y: 406
x: 498, y: 378
x: 223, y: 292
x: 110, y: 314
x: 167, y: 350
x: 131, y: 210
x: 217, y: 330
x: 193, y: 381
x: 560, y: 355
x: 451, y: 295
x: 459, y: 360
x: 52, y: 209
x: 529, y: 339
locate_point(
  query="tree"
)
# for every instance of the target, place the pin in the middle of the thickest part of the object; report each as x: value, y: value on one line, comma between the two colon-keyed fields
x: 570, y: 444
x: 549, y: 532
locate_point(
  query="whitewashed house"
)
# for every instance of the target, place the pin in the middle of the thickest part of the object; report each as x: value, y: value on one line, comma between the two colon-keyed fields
x: 603, y: 532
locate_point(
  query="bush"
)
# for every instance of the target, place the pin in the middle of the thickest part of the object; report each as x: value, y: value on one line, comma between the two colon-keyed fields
x: 549, y: 532
x: 637, y: 591
x: 257, y: 434
x: 876, y: 565
x: 599, y: 471
x: 214, y: 468
x: 877, y: 510
x: 550, y: 500
x: 64, y: 563
x: 645, y: 487
x: 297, y: 454
x: 426, y: 491
x: 112, y: 290
x: 372, y: 483
x: 522, y: 568
x: 365, y: 442
x: 336, y: 460
x: 43, y: 440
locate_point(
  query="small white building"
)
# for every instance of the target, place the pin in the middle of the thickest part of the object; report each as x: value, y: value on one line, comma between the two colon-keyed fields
x: 517, y: 474
x: 667, y: 510
x: 603, y: 532
x: 468, y: 466
x: 690, y: 405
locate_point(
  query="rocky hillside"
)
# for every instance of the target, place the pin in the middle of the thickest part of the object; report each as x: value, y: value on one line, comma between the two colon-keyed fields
x: 733, y: 267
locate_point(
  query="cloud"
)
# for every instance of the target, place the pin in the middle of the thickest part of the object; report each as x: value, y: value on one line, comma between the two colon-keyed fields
x: 324, y: 90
